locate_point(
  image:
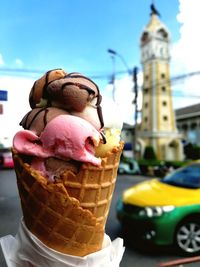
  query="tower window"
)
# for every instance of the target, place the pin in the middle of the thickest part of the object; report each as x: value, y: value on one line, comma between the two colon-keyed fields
x: 162, y: 33
x: 146, y: 105
x: 165, y: 118
x: 162, y: 75
x: 145, y: 37
x: 163, y: 88
x: 146, y: 77
x: 145, y: 119
x: 164, y: 103
x: 146, y: 90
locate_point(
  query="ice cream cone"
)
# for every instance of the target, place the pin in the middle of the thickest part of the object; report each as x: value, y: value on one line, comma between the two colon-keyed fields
x: 68, y: 216
x: 94, y: 186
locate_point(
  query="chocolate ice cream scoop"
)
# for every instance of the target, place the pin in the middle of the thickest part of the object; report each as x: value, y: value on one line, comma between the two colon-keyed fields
x: 72, y: 92
x: 39, y: 87
x: 36, y: 119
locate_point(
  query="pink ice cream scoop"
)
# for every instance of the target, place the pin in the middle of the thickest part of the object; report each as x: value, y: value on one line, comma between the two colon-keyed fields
x: 64, y: 137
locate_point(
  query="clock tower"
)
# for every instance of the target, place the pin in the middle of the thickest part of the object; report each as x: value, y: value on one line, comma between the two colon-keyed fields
x: 158, y: 124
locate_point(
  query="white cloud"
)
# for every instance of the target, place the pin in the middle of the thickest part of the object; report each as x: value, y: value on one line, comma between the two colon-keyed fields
x: 124, y: 96
x: 185, y: 54
x: 19, y: 62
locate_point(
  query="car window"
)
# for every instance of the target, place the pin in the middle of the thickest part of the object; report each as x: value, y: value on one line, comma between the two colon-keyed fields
x: 188, y: 177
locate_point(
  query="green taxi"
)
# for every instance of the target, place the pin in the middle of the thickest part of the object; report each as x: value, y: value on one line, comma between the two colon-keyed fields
x: 165, y: 211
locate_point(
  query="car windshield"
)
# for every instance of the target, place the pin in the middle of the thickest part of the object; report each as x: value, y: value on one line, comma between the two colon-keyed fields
x: 187, y: 177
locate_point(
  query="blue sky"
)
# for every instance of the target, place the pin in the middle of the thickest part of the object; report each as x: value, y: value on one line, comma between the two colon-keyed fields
x: 75, y: 35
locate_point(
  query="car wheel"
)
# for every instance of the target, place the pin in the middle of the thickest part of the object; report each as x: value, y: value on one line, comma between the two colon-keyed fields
x: 187, y: 237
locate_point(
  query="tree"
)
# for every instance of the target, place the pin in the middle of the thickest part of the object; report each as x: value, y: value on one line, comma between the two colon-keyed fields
x: 192, y: 151
x: 149, y: 153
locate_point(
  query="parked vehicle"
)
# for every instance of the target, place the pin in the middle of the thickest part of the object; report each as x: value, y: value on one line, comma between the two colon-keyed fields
x: 130, y: 166
x: 6, y: 160
x: 165, y: 211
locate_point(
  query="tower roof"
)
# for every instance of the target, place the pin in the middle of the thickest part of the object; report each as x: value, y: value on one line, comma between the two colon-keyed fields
x: 155, y: 27
x: 155, y: 24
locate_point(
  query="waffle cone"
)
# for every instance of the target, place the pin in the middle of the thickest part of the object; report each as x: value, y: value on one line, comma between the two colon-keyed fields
x: 68, y: 216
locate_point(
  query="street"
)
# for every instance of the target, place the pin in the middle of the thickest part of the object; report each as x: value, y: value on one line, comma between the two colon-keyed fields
x: 11, y: 213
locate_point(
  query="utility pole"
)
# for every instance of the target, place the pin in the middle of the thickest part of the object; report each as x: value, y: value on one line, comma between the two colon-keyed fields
x: 135, y: 102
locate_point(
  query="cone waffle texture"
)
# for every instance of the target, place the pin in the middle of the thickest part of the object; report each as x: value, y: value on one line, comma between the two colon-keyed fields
x: 68, y: 216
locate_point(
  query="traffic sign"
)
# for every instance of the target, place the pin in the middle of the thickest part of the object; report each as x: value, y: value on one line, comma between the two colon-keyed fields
x: 3, y: 95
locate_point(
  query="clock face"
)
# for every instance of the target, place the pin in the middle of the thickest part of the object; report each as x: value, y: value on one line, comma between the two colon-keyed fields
x: 155, y: 44
x: 155, y: 49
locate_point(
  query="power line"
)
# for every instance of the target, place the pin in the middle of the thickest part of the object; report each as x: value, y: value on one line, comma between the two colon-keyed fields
x: 106, y: 75
x: 21, y: 70
x: 94, y: 76
x: 173, y: 80
x: 12, y: 71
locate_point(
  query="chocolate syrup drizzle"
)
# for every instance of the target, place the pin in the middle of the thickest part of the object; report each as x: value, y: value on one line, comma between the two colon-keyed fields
x: 45, y: 95
x: 24, y: 123
x: 90, y: 91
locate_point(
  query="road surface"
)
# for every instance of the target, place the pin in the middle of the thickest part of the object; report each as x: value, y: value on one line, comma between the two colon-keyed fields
x: 10, y: 214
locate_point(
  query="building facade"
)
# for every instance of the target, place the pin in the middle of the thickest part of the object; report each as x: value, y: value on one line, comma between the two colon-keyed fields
x: 188, y: 123
x: 158, y: 125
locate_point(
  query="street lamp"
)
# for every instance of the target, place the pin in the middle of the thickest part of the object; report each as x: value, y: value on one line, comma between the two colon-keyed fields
x: 114, y: 53
x: 132, y: 72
